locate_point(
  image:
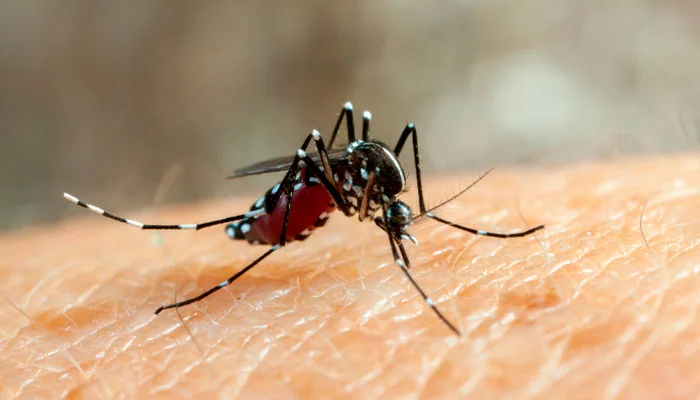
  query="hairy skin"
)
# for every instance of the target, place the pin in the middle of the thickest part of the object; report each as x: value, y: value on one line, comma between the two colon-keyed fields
x: 594, y: 307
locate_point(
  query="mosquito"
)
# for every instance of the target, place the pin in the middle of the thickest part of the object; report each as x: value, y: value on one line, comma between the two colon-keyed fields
x: 360, y: 179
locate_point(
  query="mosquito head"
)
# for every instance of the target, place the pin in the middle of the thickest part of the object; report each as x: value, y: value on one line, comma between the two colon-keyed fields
x: 396, y: 220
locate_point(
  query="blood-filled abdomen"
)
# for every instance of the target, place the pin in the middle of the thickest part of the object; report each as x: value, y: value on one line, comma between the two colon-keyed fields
x: 311, y: 204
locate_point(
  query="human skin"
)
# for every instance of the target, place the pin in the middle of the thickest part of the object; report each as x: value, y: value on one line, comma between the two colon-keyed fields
x: 601, y: 304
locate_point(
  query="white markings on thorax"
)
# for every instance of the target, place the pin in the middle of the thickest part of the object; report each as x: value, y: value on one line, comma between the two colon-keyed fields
x: 364, y: 174
x: 347, y: 183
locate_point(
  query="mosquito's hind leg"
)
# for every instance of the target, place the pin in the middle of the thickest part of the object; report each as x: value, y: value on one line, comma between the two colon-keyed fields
x: 143, y: 226
x: 286, y: 188
x: 221, y: 285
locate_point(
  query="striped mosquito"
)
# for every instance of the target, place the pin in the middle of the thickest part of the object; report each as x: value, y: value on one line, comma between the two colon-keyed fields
x: 360, y: 179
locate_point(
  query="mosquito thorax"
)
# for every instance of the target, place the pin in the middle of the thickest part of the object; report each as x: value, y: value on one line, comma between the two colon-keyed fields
x: 373, y: 156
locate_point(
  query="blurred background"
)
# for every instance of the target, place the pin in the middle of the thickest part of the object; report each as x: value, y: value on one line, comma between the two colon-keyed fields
x: 142, y: 103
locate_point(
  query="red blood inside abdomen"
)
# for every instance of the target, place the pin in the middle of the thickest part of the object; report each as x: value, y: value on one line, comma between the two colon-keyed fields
x: 308, y: 203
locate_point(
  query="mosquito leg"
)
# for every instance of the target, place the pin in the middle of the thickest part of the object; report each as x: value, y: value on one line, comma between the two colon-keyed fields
x: 323, y: 154
x: 289, y: 188
x: 366, y: 118
x: 288, y: 180
x: 485, y: 233
x: 347, y: 113
x: 410, y: 129
x: 286, y: 187
x: 399, y: 259
x: 325, y: 176
x: 369, y: 187
x: 140, y: 225
x: 404, y: 255
x: 221, y: 285
x: 327, y: 184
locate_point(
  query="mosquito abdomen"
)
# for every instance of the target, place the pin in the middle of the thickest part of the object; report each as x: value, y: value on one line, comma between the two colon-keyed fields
x: 311, y: 206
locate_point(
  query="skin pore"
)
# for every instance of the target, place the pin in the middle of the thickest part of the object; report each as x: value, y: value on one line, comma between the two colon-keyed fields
x: 602, y: 304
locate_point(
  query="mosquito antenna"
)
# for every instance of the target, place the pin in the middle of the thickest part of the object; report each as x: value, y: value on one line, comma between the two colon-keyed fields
x: 461, y: 192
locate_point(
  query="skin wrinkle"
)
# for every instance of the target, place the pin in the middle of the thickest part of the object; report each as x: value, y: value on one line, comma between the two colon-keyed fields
x: 430, y: 372
x: 203, y: 359
x: 623, y: 376
x: 41, y: 283
x: 488, y: 289
x: 545, y: 251
x: 542, y: 379
x: 61, y: 349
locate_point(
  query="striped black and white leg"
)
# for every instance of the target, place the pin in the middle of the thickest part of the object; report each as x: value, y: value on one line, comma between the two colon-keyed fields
x: 286, y: 188
x: 366, y: 118
x: 410, y: 130
x: 403, y: 262
x: 330, y: 187
x: 141, y: 225
x: 346, y: 113
x: 324, y: 175
x: 485, y: 233
x: 221, y: 285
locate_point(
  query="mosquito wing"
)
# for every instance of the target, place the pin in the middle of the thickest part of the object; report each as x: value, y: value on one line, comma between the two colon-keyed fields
x: 335, y: 156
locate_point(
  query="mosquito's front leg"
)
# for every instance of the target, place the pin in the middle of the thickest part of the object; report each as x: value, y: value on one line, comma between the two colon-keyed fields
x: 410, y: 130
